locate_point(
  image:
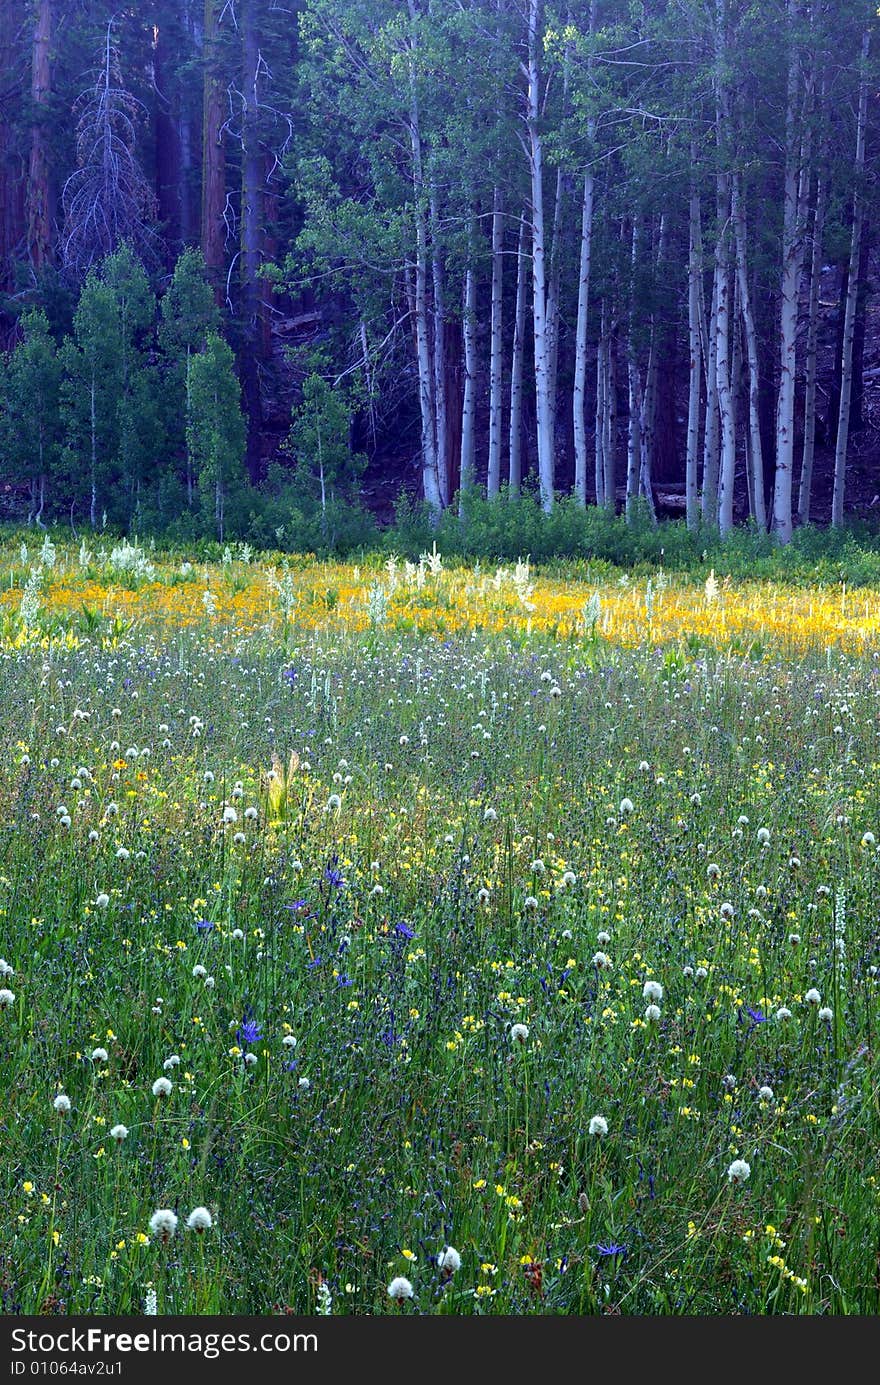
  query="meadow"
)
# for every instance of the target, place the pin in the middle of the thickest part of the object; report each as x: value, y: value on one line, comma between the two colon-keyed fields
x: 384, y: 938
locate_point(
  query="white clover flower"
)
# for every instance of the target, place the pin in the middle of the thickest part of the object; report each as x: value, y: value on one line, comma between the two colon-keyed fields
x: 598, y: 1126
x: 765, y: 1093
x: 701, y: 973
x: 644, y: 766
x: 250, y: 1060
x: 763, y: 836
x: 7, y: 998
x: 489, y: 815
x: 304, y: 1084
x: 603, y: 938
x: 119, y: 1133
x: 62, y: 1104
x: 123, y: 853
x: 449, y: 1261
x: 99, y: 1055
x: 726, y: 911
x: 162, y: 1087
x: 519, y: 1033
x: 101, y: 901
x: 400, y: 1289
x: 229, y: 814
x: 652, y: 990
x: 626, y: 806
x: 237, y: 934
x: 199, y: 1219
x: 251, y: 813
x: 739, y: 1171
x: 601, y: 961
x: 289, y: 1041
x: 163, y: 1223
x: 826, y: 1013
x: 198, y: 970
x: 783, y: 1013
x: 652, y: 1014
x: 813, y: 997
x: 568, y: 878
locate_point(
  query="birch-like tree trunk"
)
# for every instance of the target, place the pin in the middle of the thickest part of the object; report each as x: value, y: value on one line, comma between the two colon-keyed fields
x: 852, y: 291
x: 542, y: 342
x: 213, y: 157
x: 493, y: 467
x: 722, y: 295
x: 516, y: 366
x: 438, y: 359
x: 580, y: 343
x: 609, y: 444
x: 469, y: 395
x: 430, y: 476
x: 791, y: 267
x: 812, y: 352
x: 711, y: 431
x: 695, y: 269
x: 599, y: 431
x: 756, y: 459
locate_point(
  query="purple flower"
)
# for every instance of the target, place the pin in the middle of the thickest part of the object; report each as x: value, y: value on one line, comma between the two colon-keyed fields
x: 204, y: 926
x: 403, y: 930
x: 249, y: 1032
x: 611, y: 1249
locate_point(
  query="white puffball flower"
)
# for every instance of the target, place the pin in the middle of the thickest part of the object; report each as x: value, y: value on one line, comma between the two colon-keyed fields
x: 162, y: 1087
x: 783, y: 1013
x: 199, y: 970
x: 626, y: 806
x: 99, y: 1055
x: 174, y: 1060
x: 569, y: 878
x: 826, y: 1013
x: 652, y: 1014
x: 251, y: 813
x: 449, y: 1261
x: 62, y: 1104
x: 163, y: 1223
x: 304, y: 1084
x: 739, y: 1171
x: 490, y: 815
x: 119, y: 1133
x: 765, y: 1093
x: 250, y: 1060
x: 102, y: 901
x: 598, y: 1126
x: 869, y: 839
x: 237, y: 934
x: 728, y: 1082
x: 603, y: 938
x: 229, y: 814
x: 400, y: 1289
x: 601, y: 961
x: 199, y: 1219
x: 726, y: 911
x: 5, y: 969
x: 763, y: 836
x: 7, y: 998
x: 652, y: 990
x: 289, y: 1041
x: 813, y: 997
x: 239, y: 839
x: 334, y: 803
x: 519, y: 1033
x: 530, y: 902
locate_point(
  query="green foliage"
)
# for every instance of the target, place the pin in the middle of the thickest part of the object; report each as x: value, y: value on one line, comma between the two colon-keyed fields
x: 215, y: 427
x: 30, y: 425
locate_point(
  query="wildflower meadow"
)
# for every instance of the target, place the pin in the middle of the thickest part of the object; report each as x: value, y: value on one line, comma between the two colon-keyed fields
x: 401, y: 939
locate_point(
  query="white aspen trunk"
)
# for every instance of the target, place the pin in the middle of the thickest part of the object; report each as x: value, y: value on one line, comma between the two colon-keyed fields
x: 694, y: 356
x: 438, y: 360
x: 812, y: 352
x: 543, y: 402
x: 93, y: 507
x: 599, y: 439
x: 791, y: 265
x: 580, y: 345
x: 469, y: 397
x: 723, y: 144
x: 634, y: 431
x: 649, y: 403
x: 514, y: 474
x: 711, y: 431
x: 430, y: 474
x: 852, y: 291
x: 610, y: 439
x: 756, y: 459
x: 553, y: 301
x: 493, y: 467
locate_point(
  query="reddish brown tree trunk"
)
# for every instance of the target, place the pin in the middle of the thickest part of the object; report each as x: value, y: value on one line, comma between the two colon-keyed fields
x: 39, y: 230
x: 213, y: 160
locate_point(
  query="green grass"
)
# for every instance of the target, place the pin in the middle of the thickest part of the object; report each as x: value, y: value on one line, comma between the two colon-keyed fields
x: 424, y: 1122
